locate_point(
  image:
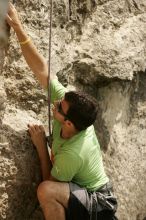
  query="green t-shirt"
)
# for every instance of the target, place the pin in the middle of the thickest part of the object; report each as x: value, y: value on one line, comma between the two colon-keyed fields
x: 79, y: 158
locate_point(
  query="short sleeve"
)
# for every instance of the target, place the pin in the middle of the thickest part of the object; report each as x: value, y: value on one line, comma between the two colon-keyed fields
x: 65, y: 167
x: 57, y: 90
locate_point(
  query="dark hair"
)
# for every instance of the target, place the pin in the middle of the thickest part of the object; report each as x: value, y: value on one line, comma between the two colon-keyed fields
x: 82, y: 109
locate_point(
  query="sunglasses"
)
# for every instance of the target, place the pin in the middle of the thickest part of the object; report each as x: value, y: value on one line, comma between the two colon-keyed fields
x: 60, y: 110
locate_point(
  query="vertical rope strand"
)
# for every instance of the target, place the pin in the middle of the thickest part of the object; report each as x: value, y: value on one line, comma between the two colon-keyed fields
x: 49, y: 69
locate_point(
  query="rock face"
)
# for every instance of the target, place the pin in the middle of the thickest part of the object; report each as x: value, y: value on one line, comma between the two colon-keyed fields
x: 99, y: 47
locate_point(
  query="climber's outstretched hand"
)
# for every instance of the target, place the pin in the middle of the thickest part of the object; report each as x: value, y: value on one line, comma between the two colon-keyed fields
x: 12, y: 18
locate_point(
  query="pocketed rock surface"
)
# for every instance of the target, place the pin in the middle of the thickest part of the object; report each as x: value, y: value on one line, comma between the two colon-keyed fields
x: 100, y: 48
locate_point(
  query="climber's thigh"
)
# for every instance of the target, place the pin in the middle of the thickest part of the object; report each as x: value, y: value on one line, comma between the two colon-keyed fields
x: 52, y: 190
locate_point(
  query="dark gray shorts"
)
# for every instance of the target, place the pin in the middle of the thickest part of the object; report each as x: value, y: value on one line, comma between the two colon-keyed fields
x: 85, y: 205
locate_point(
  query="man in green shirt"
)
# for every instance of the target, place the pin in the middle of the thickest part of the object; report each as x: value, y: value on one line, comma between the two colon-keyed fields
x: 76, y: 155
x: 74, y: 185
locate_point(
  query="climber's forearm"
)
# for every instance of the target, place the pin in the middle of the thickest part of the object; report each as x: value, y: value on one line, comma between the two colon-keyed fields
x: 45, y: 162
x: 46, y: 167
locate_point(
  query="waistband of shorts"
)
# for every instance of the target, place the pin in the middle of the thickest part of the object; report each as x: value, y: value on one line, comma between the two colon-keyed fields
x: 106, y: 187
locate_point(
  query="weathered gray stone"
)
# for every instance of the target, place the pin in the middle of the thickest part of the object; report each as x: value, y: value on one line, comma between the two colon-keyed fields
x: 98, y: 46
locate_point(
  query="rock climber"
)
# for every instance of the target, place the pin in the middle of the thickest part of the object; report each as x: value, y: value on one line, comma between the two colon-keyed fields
x: 75, y: 185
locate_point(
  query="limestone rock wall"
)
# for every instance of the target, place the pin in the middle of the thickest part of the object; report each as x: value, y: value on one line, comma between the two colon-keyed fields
x: 98, y: 46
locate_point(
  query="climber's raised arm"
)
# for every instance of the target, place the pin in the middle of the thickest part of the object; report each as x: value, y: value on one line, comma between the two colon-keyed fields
x: 34, y: 59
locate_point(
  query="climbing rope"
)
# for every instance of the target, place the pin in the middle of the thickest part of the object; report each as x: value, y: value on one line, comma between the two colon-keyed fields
x: 49, y: 137
x: 49, y: 75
